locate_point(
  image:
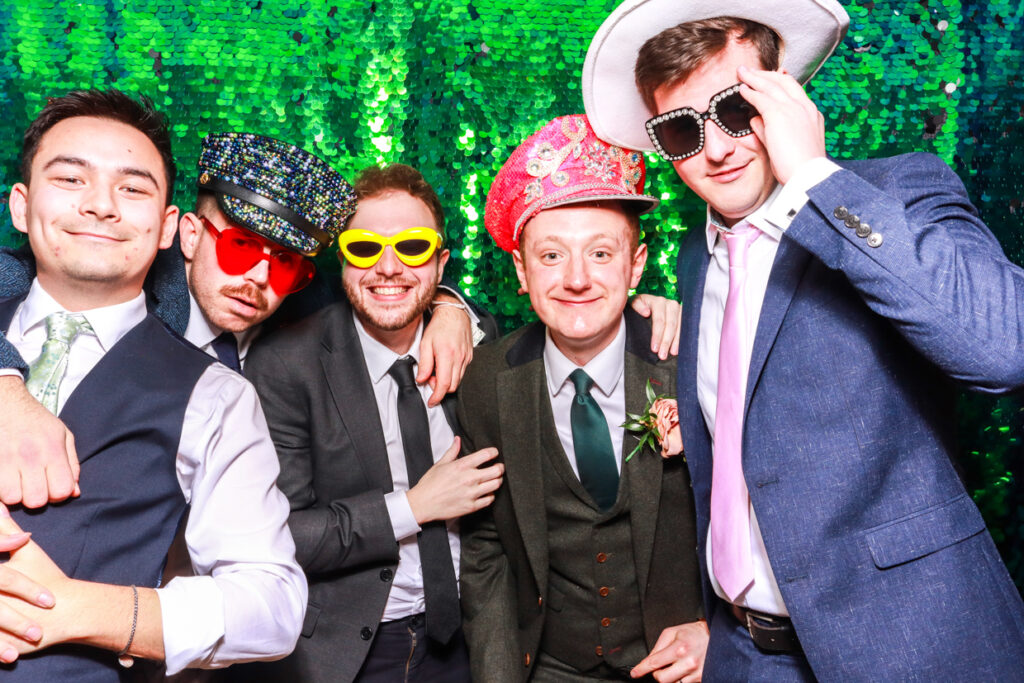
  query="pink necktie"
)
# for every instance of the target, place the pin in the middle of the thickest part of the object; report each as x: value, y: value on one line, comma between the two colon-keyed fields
x: 730, y: 517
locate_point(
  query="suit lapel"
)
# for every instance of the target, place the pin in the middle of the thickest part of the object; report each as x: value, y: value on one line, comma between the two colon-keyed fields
x: 790, y: 263
x: 644, y: 468
x: 352, y: 392
x: 691, y: 273
x: 449, y: 406
x: 527, y: 428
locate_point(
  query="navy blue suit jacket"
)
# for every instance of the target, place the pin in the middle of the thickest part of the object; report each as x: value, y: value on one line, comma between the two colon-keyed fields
x: 880, y: 554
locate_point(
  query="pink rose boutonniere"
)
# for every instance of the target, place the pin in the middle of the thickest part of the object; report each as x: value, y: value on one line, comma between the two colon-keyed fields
x: 658, y: 425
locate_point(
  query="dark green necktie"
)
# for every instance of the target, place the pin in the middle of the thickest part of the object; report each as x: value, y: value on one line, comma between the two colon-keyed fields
x: 592, y: 442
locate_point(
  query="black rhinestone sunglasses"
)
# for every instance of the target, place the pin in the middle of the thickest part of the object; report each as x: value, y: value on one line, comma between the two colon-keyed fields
x: 679, y: 134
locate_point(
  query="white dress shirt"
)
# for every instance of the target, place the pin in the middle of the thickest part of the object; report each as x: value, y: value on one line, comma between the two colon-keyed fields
x: 248, y: 597
x: 406, y: 597
x: 771, y: 218
x: 609, y: 391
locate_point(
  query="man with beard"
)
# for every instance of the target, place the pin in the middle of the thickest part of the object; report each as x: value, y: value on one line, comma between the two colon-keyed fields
x: 160, y: 427
x: 369, y: 466
x: 259, y: 218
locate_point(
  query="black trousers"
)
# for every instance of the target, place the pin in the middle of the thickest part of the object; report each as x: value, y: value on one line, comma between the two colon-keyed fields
x: 402, y: 653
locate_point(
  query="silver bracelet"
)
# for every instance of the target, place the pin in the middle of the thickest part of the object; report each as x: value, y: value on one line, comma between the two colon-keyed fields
x: 462, y: 307
x: 135, y: 622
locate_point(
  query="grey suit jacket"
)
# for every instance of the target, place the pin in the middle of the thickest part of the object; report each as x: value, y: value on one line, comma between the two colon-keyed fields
x: 318, y: 399
x: 503, y: 402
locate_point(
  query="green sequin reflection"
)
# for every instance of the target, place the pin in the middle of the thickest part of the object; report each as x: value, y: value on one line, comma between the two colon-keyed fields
x: 452, y: 87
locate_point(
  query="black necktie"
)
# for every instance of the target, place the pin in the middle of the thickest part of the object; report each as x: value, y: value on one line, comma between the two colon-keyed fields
x: 226, y: 348
x: 592, y: 442
x: 440, y: 587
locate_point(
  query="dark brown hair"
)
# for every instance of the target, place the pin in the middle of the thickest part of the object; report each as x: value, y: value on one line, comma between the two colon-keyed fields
x: 670, y: 57
x: 374, y: 181
x: 104, y: 104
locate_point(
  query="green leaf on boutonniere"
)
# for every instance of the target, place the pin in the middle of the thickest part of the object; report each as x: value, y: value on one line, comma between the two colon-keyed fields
x: 644, y: 423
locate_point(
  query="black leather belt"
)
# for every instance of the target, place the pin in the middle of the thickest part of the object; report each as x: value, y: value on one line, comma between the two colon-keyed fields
x: 769, y: 632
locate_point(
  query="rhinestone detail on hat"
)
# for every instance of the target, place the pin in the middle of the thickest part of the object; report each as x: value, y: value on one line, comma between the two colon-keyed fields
x: 285, y: 174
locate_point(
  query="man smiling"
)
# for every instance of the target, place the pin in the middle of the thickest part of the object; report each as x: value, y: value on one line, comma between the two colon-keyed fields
x: 159, y: 425
x: 369, y: 466
x: 583, y: 568
x: 827, y: 306
x: 263, y: 209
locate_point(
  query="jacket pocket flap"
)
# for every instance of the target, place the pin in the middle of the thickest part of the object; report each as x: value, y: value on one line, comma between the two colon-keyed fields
x: 924, y: 532
x: 309, y: 622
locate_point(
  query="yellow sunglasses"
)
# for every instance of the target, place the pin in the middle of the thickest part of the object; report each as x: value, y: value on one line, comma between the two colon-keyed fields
x: 412, y: 246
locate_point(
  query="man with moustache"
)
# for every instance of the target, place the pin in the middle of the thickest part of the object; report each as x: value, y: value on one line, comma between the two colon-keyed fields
x: 160, y: 426
x: 827, y: 306
x: 278, y: 206
x: 368, y: 464
x: 583, y: 568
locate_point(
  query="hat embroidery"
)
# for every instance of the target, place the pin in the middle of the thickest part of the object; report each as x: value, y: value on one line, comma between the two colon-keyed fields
x: 598, y: 161
x: 547, y: 160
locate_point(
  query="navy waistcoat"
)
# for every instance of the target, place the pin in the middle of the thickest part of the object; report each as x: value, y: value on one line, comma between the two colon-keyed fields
x: 126, y: 416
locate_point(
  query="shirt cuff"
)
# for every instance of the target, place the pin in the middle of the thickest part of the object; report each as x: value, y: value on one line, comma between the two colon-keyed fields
x: 11, y: 372
x: 474, y: 319
x: 793, y: 195
x: 403, y: 522
x: 192, y: 613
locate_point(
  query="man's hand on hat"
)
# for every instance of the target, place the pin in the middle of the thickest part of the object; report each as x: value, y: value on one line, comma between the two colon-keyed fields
x: 38, y: 461
x: 445, y: 349
x: 790, y: 126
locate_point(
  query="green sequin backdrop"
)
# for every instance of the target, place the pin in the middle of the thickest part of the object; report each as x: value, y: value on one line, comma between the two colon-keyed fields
x: 451, y: 87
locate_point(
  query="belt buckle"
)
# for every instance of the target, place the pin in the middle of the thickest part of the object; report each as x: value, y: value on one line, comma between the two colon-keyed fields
x: 750, y: 625
x: 771, y: 634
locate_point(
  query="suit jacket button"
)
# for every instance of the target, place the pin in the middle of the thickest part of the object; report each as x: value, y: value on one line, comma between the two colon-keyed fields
x: 366, y: 633
x: 604, y: 591
x: 852, y: 221
x: 599, y: 651
x: 841, y: 212
x: 601, y: 557
x: 540, y: 601
x: 526, y: 659
x: 606, y: 622
x: 875, y: 239
x: 863, y: 230
x: 386, y: 574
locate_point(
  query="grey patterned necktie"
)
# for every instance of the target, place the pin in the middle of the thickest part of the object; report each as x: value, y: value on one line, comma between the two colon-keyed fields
x: 46, y: 372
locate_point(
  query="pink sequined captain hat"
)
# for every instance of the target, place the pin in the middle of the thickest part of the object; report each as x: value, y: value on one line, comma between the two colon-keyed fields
x: 562, y: 163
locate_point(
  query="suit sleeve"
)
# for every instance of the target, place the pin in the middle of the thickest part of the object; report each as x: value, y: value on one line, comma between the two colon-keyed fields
x: 329, y: 535
x: 930, y: 266
x: 487, y: 586
x: 17, y: 268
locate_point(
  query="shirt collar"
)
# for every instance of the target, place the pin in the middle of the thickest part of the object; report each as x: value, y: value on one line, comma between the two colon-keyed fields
x: 380, y: 358
x: 758, y: 219
x: 200, y: 332
x: 605, y: 368
x: 109, y: 323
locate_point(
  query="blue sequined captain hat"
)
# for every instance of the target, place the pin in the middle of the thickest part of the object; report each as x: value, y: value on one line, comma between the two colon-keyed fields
x: 276, y: 190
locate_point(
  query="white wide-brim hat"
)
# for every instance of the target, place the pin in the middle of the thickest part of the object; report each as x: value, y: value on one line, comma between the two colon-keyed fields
x: 810, y: 31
